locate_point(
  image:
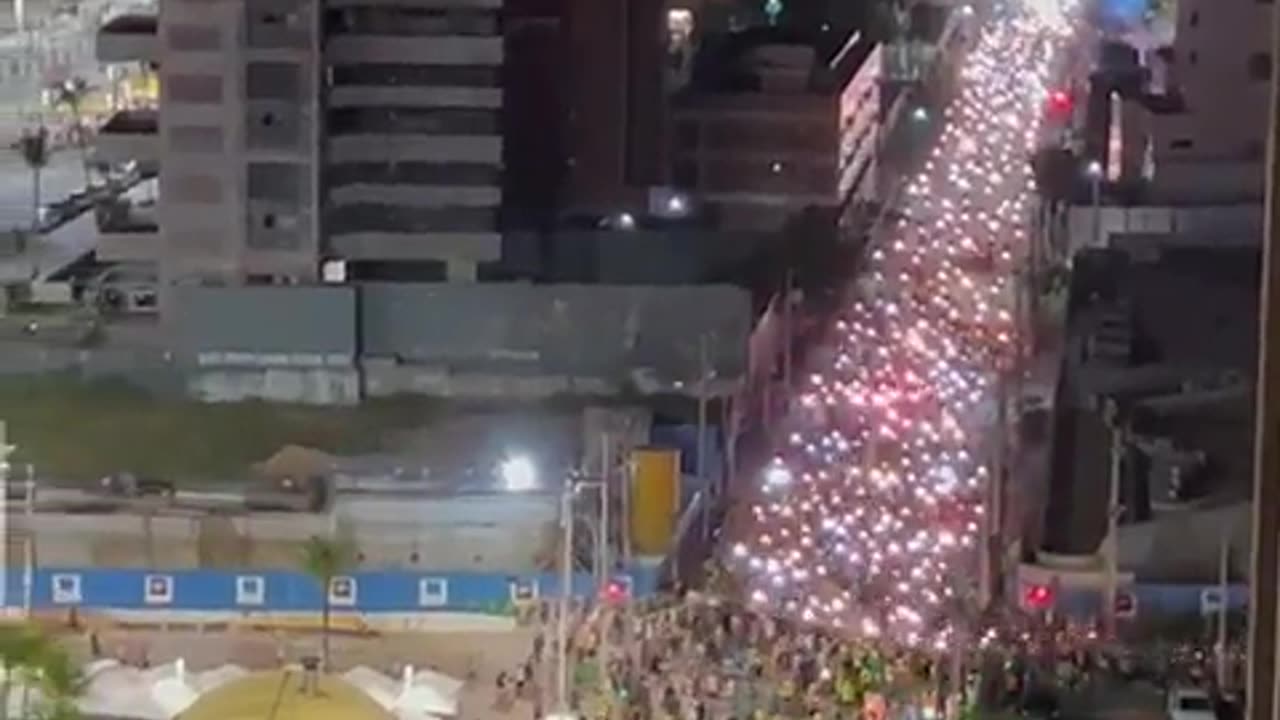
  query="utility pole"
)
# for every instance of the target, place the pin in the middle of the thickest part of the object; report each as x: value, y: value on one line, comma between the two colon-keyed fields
x: 994, y: 518
x: 6, y: 451
x: 704, y: 372
x: 606, y: 569
x: 1260, y: 690
x: 1112, y: 542
x: 788, y: 328
x: 1224, y: 576
x: 29, y: 545
x: 566, y: 590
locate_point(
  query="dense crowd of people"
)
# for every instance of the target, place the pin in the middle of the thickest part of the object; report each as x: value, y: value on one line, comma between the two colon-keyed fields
x: 696, y: 656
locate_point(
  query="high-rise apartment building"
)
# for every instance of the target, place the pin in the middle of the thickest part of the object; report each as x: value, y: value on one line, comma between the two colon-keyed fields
x: 1207, y: 102
x: 779, y: 122
x: 302, y: 140
x: 617, y: 100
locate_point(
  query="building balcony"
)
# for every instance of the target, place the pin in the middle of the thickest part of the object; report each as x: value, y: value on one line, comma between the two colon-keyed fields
x: 392, y: 147
x: 448, y: 50
x: 127, y: 232
x: 438, y: 4
x: 469, y: 247
x: 129, y: 136
x: 128, y: 38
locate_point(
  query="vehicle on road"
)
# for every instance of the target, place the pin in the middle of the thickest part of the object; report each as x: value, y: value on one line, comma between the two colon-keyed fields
x: 129, y: 485
x: 1188, y: 703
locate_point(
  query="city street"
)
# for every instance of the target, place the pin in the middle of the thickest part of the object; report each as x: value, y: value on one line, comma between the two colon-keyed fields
x: 872, y: 514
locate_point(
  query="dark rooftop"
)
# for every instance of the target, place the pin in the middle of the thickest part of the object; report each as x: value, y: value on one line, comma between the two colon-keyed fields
x: 721, y: 65
x: 131, y: 122
x: 1193, y: 315
x: 131, y: 25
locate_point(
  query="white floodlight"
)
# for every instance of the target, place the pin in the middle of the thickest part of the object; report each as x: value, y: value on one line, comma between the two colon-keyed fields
x: 518, y: 474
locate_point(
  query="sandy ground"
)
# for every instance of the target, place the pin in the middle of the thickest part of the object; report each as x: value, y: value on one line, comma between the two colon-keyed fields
x: 474, y: 657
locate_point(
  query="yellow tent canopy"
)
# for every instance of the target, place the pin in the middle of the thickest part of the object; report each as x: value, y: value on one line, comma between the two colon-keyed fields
x: 280, y: 695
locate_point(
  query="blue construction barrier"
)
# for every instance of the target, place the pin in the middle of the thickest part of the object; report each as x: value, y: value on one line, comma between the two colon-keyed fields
x: 1152, y: 599
x: 285, y: 591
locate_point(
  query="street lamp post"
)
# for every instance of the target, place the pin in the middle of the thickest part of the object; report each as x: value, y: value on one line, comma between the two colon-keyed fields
x: 1224, y: 578
x: 566, y: 588
x: 1094, y: 172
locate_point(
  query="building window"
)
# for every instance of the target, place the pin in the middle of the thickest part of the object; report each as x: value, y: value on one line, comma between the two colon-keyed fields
x: 195, y: 139
x: 193, y: 189
x: 1260, y: 66
x: 193, y: 37
x: 685, y: 174
x: 273, y: 81
x: 687, y: 135
x: 1194, y: 20
x: 195, y: 89
x: 1181, y: 144
x: 1193, y: 57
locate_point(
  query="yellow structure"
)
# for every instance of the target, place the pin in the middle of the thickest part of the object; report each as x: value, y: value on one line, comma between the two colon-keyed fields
x: 255, y: 697
x: 655, y: 500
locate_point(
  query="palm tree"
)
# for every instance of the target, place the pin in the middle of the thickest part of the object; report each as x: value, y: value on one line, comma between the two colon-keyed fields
x: 34, y: 146
x: 60, y: 682
x: 21, y: 648
x: 325, y: 558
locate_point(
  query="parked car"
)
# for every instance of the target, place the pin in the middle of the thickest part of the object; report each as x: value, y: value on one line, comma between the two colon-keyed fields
x: 132, y: 486
x: 1188, y: 703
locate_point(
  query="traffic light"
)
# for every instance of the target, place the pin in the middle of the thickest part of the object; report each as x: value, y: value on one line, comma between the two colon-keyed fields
x: 1038, y: 597
x: 616, y: 591
x: 1060, y: 104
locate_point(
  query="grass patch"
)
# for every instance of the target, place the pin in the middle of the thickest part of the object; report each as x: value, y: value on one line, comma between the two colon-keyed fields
x: 79, y: 431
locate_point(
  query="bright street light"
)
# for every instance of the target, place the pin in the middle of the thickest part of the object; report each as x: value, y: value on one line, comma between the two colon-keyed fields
x: 920, y: 114
x: 777, y: 474
x: 1093, y: 169
x: 518, y: 474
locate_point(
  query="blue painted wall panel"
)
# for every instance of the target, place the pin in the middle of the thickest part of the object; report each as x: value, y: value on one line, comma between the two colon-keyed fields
x: 213, y: 590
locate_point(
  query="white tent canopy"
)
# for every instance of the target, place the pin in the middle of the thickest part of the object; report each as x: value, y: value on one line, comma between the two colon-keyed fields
x: 422, y: 695
x: 159, y: 693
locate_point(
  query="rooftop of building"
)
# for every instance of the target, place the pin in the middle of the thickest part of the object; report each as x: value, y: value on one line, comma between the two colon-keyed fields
x: 1191, y: 316
x: 131, y: 24
x: 779, y: 60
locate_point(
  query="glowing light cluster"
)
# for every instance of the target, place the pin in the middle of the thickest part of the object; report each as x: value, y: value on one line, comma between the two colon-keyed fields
x: 869, y: 517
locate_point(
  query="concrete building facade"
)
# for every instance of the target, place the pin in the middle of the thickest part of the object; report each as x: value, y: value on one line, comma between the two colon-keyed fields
x: 1208, y: 102
x: 306, y: 140
x: 777, y: 124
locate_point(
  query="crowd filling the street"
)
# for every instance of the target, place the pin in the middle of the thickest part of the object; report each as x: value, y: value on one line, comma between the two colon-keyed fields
x: 857, y: 586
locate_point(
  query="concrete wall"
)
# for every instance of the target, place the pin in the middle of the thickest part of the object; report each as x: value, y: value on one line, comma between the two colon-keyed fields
x: 582, y: 331
x: 1225, y: 221
x: 473, y: 533
x: 267, y: 320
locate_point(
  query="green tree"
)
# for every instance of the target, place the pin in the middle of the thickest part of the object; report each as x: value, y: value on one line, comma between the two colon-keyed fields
x: 325, y: 558
x: 20, y: 650
x: 34, y: 147
x: 60, y: 682
x: 30, y: 656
